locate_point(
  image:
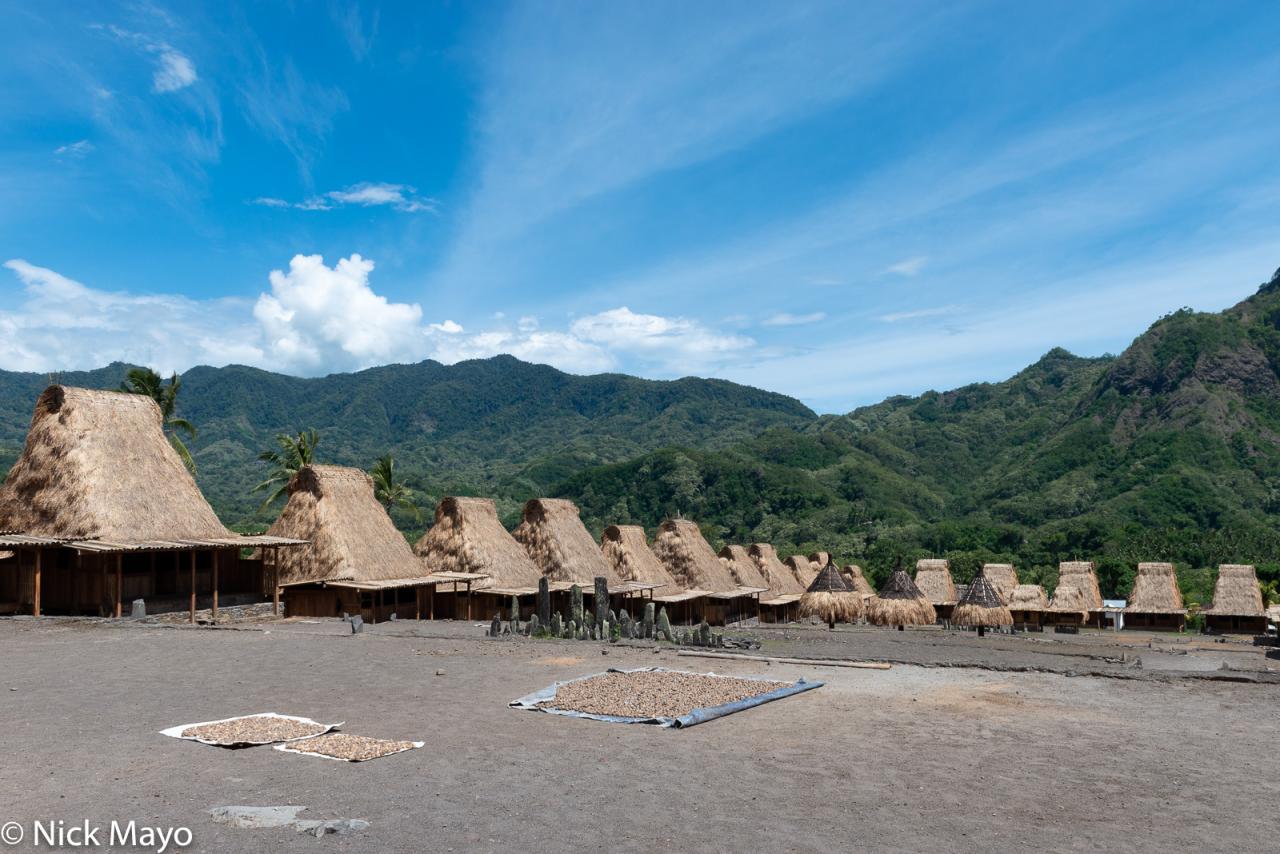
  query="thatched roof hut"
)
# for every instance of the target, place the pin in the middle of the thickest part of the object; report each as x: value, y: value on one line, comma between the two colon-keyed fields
x: 1155, y: 591
x: 933, y: 577
x: 1002, y: 576
x: 1028, y: 597
x: 626, y: 548
x: 832, y: 598
x: 819, y: 560
x: 981, y: 606
x: 782, y: 581
x: 853, y: 574
x: 900, y: 603
x: 803, y: 569
x: 467, y: 536
x: 689, y: 558
x: 97, y: 465
x: 743, y: 568
x: 555, y: 538
x: 350, y: 536
x: 1081, y: 575
x: 1237, y: 593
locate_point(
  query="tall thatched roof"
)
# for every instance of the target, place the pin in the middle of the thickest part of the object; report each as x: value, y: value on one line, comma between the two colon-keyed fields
x: 687, y: 556
x: 627, y: 550
x: 900, y: 603
x: 782, y: 581
x: 1028, y: 597
x: 981, y: 605
x: 559, y: 544
x: 819, y: 559
x: 829, y: 580
x: 1155, y: 591
x: 933, y: 577
x: 1081, y: 575
x: 742, y: 567
x: 1069, y: 599
x: 468, y: 537
x: 803, y: 569
x: 1237, y: 593
x: 98, y: 465
x: 831, y: 598
x: 853, y: 574
x: 351, y: 537
x: 1003, y: 578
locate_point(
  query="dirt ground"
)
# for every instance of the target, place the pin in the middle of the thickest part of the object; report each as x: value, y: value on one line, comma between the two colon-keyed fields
x: 1005, y: 750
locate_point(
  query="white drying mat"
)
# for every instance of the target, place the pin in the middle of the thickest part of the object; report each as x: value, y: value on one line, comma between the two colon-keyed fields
x: 295, y: 748
x: 177, y: 731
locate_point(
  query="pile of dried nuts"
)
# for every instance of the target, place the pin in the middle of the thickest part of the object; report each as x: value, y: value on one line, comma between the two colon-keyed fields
x: 652, y: 694
x: 354, y: 748
x: 253, y: 729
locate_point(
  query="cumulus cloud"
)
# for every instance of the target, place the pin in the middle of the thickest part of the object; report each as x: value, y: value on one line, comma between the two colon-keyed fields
x: 316, y: 319
x: 400, y: 197
x: 173, y: 72
x: 788, y: 319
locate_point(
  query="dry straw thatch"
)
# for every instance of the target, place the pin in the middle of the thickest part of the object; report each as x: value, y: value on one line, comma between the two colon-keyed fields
x: 687, y: 556
x: 782, y: 581
x: 981, y: 606
x: 468, y: 537
x: 97, y: 465
x: 742, y: 567
x: 803, y: 569
x: 831, y: 598
x: 626, y: 548
x: 555, y: 538
x: 900, y: 603
x: 1028, y: 597
x: 819, y: 560
x: 350, y: 536
x: 853, y: 574
x: 1155, y: 591
x: 1237, y: 593
x: 1003, y: 578
x: 933, y: 577
x: 1069, y: 599
x: 1081, y: 575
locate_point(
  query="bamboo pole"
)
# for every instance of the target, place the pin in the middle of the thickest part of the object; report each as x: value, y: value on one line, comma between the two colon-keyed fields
x: 193, y: 587
x: 119, y: 581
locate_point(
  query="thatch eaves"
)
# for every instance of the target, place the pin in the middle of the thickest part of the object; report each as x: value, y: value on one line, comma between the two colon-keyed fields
x: 1028, y: 597
x: 552, y: 532
x: 467, y: 536
x: 689, y: 558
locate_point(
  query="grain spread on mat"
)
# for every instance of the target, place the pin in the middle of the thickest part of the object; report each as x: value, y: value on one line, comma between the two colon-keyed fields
x: 355, y: 748
x: 653, y: 694
x: 254, y: 730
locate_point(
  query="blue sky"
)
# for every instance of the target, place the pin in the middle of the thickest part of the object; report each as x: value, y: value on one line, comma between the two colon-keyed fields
x: 836, y: 201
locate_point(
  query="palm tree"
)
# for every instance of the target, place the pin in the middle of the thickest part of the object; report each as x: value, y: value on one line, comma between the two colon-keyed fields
x: 148, y: 382
x: 294, y: 453
x: 390, y: 491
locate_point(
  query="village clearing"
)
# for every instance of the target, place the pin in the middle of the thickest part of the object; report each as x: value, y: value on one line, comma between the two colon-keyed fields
x: 964, y: 744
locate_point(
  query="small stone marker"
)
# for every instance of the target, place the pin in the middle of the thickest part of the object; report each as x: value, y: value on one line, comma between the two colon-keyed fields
x: 139, y: 608
x: 357, y: 624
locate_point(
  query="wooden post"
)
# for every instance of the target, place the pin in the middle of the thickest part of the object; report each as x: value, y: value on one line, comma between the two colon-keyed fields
x: 275, y: 580
x: 468, y: 599
x: 417, y: 603
x: 193, y: 587
x: 431, y: 602
x: 119, y: 581
x: 35, y: 599
x: 217, y: 559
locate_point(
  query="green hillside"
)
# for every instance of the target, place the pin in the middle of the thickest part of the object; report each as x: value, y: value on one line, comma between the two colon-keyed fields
x: 1170, y: 451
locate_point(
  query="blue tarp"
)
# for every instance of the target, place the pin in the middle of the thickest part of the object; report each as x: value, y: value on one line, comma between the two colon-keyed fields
x: 696, y: 716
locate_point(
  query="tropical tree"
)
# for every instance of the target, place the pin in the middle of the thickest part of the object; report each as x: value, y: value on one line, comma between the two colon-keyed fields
x: 291, y: 454
x: 148, y: 382
x: 390, y: 490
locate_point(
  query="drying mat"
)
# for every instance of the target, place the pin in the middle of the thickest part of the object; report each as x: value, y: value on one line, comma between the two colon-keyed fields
x: 251, y: 730
x: 542, y: 701
x: 345, y: 747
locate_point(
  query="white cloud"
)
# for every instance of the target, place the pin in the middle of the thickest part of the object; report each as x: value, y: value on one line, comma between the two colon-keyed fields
x: 938, y: 311
x: 76, y: 149
x: 788, y: 319
x: 400, y: 197
x: 175, y: 72
x: 908, y: 266
x: 317, y: 319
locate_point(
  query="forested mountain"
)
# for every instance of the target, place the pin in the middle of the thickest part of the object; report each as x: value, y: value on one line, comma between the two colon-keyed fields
x: 1170, y: 451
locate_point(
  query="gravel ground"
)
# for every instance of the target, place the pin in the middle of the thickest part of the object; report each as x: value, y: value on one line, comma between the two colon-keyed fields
x: 911, y: 759
x: 354, y: 748
x: 654, y: 694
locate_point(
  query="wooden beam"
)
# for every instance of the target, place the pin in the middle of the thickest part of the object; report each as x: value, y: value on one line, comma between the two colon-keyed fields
x: 217, y: 559
x: 192, y: 618
x: 119, y: 581
x: 35, y: 599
